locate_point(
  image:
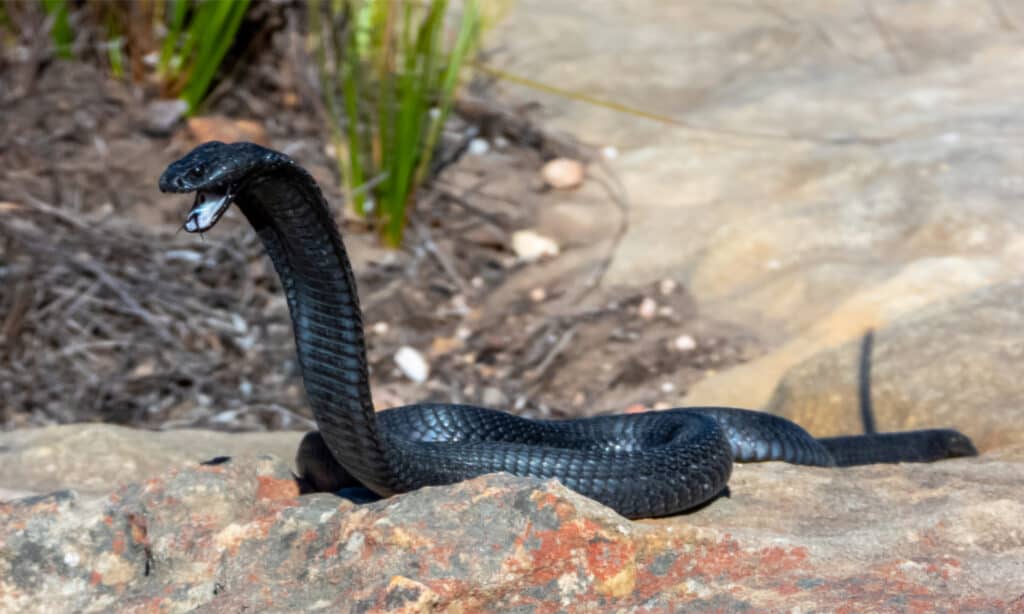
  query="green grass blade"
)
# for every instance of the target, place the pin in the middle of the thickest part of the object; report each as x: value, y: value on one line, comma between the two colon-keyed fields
x: 350, y: 91
x: 469, y: 29
x: 218, y: 32
x: 178, y: 10
x: 61, y: 31
x: 389, y: 90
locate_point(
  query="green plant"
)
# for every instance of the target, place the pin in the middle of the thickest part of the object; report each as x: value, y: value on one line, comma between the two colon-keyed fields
x: 198, y: 36
x: 60, y: 31
x: 192, y: 37
x: 388, y: 72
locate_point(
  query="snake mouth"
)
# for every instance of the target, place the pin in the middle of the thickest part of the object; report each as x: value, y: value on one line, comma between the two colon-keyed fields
x: 206, y: 210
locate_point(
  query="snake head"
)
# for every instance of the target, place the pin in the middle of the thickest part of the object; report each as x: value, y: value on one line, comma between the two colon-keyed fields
x: 216, y: 172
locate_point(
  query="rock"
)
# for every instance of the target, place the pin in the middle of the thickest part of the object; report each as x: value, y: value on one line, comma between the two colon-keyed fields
x: 219, y: 128
x: 813, y: 193
x: 684, y: 343
x: 563, y: 173
x: 494, y: 397
x: 648, y: 308
x: 915, y: 287
x: 529, y: 245
x: 161, y: 116
x: 412, y: 364
x: 579, y: 218
x: 953, y: 364
x: 478, y: 147
x: 237, y: 537
x: 95, y: 458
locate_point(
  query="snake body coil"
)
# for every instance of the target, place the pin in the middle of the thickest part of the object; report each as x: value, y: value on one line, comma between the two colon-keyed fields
x: 641, y: 465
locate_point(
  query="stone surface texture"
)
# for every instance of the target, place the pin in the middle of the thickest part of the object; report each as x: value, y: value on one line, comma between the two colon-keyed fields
x: 818, y: 167
x: 237, y: 537
x: 95, y: 458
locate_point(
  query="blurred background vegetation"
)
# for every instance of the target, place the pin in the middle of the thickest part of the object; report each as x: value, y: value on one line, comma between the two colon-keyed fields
x: 388, y: 71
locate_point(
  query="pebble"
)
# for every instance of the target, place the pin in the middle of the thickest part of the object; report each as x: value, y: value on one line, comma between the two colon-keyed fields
x: 648, y: 308
x: 609, y: 152
x: 380, y: 328
x: 667, y: 286
x: 412, y: 364
x: 684, y: 343
x: 529, y: 245
x: 537, y: 295
x: 161, y: 116
x: 563, y: 173
x: 494, y: 397
x: 478, y: 147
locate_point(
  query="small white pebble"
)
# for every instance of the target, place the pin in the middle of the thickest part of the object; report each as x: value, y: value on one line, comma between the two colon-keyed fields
x: 380, y: 328
x: 463, y: 333
x: 538, y: 294
x: 667, y: 387
x: 412, y: 364
x: 667, y: 286
x: 609, y: 152
x: 500, y: 142
x: 529, y: 245
x: 684, y: 343
x: 773, y: 265
x: 478, y: 147
x: 563, y: 173
x: 648, y: 308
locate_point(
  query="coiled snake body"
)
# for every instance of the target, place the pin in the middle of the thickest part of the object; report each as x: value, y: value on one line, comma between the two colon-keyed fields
x: 641, y: 465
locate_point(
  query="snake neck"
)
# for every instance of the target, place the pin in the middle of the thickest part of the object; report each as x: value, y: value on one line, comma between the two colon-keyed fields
x: 289, y: 213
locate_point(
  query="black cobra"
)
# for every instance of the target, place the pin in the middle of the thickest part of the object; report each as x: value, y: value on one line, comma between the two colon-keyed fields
x: 642, y: 465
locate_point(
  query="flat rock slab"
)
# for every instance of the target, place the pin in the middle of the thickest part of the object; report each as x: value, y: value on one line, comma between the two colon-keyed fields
x: 94, y: 458
x: 819, y: 167
x: 236, y: 536
x: 955, y: 363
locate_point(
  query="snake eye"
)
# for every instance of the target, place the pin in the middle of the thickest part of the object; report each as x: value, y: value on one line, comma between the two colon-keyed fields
x: 196, y: 172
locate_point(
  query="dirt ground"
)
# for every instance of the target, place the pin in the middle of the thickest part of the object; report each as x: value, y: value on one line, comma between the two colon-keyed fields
x: 108, y: 313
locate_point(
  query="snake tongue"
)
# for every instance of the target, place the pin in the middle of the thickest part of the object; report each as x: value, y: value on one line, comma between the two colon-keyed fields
x: 206, y: 211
